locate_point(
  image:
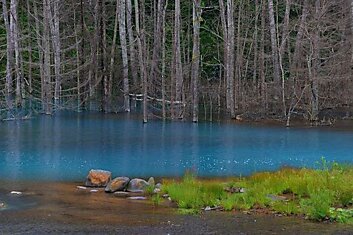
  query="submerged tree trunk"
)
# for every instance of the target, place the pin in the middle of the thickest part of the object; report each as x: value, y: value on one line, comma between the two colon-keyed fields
x: 225, y: 50
x: 123, y: 44
x: 196, y: 16
x: 143, y: 71
x: 132, y: 49
x: 230, y: 56
x: 156, y: 54
x: 55, y: 38
x: 9, y: 54
x: 112, y: 54
x: 46, y: 65
x: 177, y: 56
x: 15, y: 40
x: 163, y: 61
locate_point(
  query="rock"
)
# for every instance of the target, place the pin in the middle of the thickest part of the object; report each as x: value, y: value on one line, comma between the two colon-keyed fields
x: 137, y: 198
x: 239, y: 117
x: 122, y: 194
x: 94, y: 190
x: 117, y: 184
x: 137, y: 185
x: 156, y: 190
x: 81, y: 187
x: 208, y: 208
x: 98, y: 178
x: 234, y: 190
x: 276, y: 197
x: 158, y: 185
x: 16, y: 193
x: 151, y: 181
x: 165, y: 196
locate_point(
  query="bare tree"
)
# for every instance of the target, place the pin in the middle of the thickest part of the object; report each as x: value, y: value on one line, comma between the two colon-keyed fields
x: 195, y: 73
x: 123, y: 44
x: 177, y: 54
x: 9, y: 55
x: 274, y: 45
x: 54, y: 24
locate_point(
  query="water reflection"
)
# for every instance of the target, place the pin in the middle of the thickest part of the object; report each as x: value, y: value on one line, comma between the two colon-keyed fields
x: 66, y: 146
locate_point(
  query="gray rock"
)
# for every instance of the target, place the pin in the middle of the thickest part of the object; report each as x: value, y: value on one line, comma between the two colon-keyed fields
x: 137, y: 185
x: 137, y: 198
x: 156, y: 190
x: 117, y: 184
x: 151, y: 181
x: 122, y: 194
x: 81, y: 187
x: 158, y: 185
x: 276, y: 197
x: 98, y: 178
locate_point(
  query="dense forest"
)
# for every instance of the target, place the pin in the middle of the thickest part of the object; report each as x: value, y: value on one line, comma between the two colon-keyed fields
x: 177, y: 59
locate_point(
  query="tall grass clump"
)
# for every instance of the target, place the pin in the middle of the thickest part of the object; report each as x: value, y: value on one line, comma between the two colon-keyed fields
x: 325, y: 193
x: 193, y: 194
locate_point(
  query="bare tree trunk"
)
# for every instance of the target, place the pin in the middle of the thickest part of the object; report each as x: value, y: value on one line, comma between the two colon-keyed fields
x: 282, y: 50
x: 15, y: 42
x: 78, y: 64
x: 93, y: 68
x: 46, y: 65
x: 196, y: 16
x: 55, y: 38
x: 40, y: 52
x: 295, y: 61
x: 163, y: 60
x: 262, y: 58
x: 273, y: 32
x: 132, y: 49
x: 156, y: 54
x: 256, y: 35
x: 112, y: 52
x: 230, y: 57
x: 177, y: 56
x: 143, y: 71
x: 30, y: 88
x: 315, y: 65
x: 9, y: 54
x: 123, y: 44
x: 225, y: 50
x: 104, y: 79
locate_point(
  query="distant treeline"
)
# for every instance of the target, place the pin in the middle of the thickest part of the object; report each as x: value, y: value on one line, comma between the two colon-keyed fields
x: 177, y: 58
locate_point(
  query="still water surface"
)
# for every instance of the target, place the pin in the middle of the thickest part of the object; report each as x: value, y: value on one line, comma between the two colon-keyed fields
x: 66, y: 146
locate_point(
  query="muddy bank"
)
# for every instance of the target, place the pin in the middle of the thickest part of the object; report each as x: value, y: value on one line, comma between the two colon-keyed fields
x: 62, y: 208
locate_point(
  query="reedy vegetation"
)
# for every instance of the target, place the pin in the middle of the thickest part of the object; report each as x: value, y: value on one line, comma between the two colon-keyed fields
x: 321, y: 194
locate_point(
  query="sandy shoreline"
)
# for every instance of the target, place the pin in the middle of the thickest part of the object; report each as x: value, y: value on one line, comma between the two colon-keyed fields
x: 62, y: 208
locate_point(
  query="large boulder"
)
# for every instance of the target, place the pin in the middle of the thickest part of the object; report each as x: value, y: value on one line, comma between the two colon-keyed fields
x: 98, y: 178
x: 117, y: 184
x: 137, y: 185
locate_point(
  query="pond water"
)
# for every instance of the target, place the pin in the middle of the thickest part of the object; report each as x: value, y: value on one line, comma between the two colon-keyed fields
x: 66, y: 146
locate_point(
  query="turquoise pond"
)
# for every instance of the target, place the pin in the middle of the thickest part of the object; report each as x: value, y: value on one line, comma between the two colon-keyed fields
x: 66, y: 146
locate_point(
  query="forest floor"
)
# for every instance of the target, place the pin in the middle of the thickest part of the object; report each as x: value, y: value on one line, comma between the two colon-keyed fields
x: 62, y: 208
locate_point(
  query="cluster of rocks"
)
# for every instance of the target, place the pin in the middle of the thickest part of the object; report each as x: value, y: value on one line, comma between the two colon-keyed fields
x: 120, y: 186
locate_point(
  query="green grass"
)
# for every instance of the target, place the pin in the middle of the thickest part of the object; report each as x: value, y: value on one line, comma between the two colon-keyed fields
x: 322, y: 194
